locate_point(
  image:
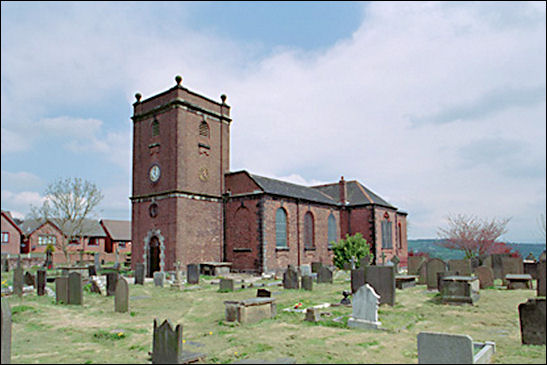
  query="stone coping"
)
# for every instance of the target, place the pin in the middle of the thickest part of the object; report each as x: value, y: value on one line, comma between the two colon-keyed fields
x: 406, y: 277
x: 212, y: 263
x: 251, y: 302
x: 459, y: 278
x: 518, y: 277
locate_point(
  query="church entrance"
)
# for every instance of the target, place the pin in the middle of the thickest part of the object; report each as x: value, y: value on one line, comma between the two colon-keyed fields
x: 154, y: 256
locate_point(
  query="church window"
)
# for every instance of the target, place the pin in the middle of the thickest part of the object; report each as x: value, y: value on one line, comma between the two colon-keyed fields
x: 332, y: 234
x: 399, y: 236
x: 386, y: 234
x: 155, y: 128
x: 308, y: 230
x: 281, y: 228
x: 204, y: 129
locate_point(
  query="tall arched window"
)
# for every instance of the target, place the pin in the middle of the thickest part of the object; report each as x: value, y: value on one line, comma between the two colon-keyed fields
x: 155, y: 128
x: 386, y: 234
x: 281, y: 228
x: 308, y: 230
x: 204, y: 129
x: 332, y: 233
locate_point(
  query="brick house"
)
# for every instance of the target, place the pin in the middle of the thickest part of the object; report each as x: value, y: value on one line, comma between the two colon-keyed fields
x: 118, y: 235
x: 11, y: 234
x: 187, y: 205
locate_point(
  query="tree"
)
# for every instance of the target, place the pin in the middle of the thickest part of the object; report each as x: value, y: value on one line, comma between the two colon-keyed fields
x: 352, y: 247
x: 541, y: 222
x: 68, y: 204
x: 474, y: 236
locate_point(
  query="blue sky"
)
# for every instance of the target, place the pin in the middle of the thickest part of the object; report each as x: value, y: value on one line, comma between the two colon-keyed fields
x: 437, y: 107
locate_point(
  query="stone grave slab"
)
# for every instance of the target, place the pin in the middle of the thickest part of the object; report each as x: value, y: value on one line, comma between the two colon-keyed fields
x: 405, y: 281
x: 518, y: 281
x: 159, y: 278
x: 263, y: 293
x: 442, y: 274
x: 446, y: 348
x: 250, y: 310
x: 290, y: 279
x: 460, y: 289
x: 511, y: 265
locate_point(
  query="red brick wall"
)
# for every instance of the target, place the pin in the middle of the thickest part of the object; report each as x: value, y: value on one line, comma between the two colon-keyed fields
x: 243, y: 233
x: 14, y: 244
x: 240, y: 183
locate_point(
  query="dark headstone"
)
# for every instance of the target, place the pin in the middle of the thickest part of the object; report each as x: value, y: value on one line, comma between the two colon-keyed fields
x: 530, y: 267
x: 61, y: 289
x: 486, y: 276
x: 541, y: 268
x: 18, y: 279
x: 532, y: 321
x: 290, y: 278
x: 357, y: 279
x: 315, y: 266
x: 422, y: 273
x: 382, y: 279
x: 263, y: 293
x: 414, y: 263
x: 475, y: 262
x: 345, y: 300
x: 6, y: 332
x: 159, y: 278
x: 121, y: 296
x: 511, y: 265
x: 192, y: 274
x: 364, y: 261
x: 441, y: 275
x: 166, y: 343
x: 29, y: 278
x: 324, y: 275
x: 461, y: 266
x: 111, y: 279
x: 139, y: 273
x: 95, y: 288
x: 91, y: 270
x: 307, y: 282
x: 226, y: 285
x: 433, y: 266
x: 75, y: 289
x: 495, y: 262
x: 312, y: 315
x: 41, y: 278
x: 5, y: 265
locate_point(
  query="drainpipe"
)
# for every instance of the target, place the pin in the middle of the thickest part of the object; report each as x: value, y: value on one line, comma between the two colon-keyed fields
x: 222, y: 212
x: 298, y: 229
x: 374, y: 234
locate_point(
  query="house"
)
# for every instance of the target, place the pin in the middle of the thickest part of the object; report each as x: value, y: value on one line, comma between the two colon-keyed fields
x: 118, y: 235
x: 11, y: 234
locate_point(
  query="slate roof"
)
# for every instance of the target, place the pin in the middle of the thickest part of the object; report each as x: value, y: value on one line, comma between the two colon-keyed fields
x: 93, y: 228
x: 12, y: 220
x: 119, y: 230
x: 357, y: 194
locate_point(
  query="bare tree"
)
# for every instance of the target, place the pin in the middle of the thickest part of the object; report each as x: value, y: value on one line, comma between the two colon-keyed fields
x: 69, y: 203
x: 541, y: 222
x: 474, y: 236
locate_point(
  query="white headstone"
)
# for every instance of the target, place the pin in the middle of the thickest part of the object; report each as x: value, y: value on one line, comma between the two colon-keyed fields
x: 365, y: 308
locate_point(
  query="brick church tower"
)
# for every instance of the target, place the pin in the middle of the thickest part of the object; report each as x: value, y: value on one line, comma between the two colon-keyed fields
x: 180, y: 155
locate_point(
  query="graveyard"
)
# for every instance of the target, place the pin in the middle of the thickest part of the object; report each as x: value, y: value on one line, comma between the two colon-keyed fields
x: 98, y: 331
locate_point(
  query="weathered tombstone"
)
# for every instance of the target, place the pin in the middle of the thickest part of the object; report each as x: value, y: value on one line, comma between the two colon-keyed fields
x: 18, y: 279
x: 75, y: 289
x: 305, y: 270
x: 486, y: 276
x: 226, y: 285
x: 290, y: 278
x: 346, y: 266
x: 324, y: 275
x: 159, y: 278
x: 463, y: 267
x: 315, y: 266
x: 91, y: 270
x: 530, y: 267
x: 263, y: 293
x: 177, y: 283
x: 312, y: 315
x: 307, y: 282
x: 192, y: 273
x: 460, y: 289
x: 495, y: 261
x: 29, y: 279
x: 405, y: 281
x: 422, y: 273
x: 414, y: 263
x: 249, y: 310
x: 95, y: 288
x: 365, y: 308
x: 167, y: 345
x: 121, y: 296
x: 511, y: 265
x: 445, y: 348
x: 139, y: 273
x: 6, y: 332
x: 357, y: 278
x: 96, y: 263
x: 111, y: 280
x: 532, y: 321
x: 61, y: 289
x: 396, y: 260
x: 433, y: 266
x: 441, y: 275
x: 41, y: 282
x: 382, y: 279
x: 541, y: 274
x: 518, y: 281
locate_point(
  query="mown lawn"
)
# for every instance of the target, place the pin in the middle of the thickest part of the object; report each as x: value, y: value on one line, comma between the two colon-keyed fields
x: 44, y: 332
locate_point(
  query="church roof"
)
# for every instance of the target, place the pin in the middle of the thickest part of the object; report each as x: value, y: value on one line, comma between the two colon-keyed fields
x: 357, y: 194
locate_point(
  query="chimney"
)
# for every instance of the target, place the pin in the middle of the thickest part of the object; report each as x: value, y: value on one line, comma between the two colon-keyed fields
x: 342, y: 190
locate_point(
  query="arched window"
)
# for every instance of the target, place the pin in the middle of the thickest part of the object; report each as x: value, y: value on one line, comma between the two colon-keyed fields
x: 386, y: 234
x: 308, y: 230
x: 281, y: 228
x: 155, y: 128
x: 204, y: 129
x: 332, y: 234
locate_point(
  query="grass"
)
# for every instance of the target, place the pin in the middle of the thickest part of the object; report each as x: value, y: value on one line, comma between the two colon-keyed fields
x: 45, y: 332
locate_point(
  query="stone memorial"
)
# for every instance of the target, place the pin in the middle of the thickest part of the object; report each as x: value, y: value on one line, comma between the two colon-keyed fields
x: 263, y: 293
x: 364, y: 261
x: 167, y: 345
x: 433, y: 266
x: 442, y: 274
x: 324, y: 275
x: 121, y: 296
x: 530, y: 267
x: 192, y: 274
x: 75, y: 289
x: 365, y: 308
x: 18, y: 279
x: 250, y: 310
x: 139, y: 273
x: 445, y: 348
x: 414, y: 263
x: 29, y: 279
x: 541, y: 274
x: 307, y: 282
x: 159, y: 278
x: 111, y: 280
x: 486, y: 276
x: 532, y: 321
x: 518, y: 281
x: 382, y: 279
x: 305, y: 270
x: 290, y: 278
x: 312, y: 315
x: 405, y: 281
x: 315, y: 266
x: 357, y: 279
x: 226, y: 285
x: 460, y: 289
x: 6, y: 332
x: 41, y: 279
x: 5, y: 265
x: 422, y: 273
x: 177, y: 283
x: 463, y: 267
x: 511, y: 265
x: 61, y: 289
x: 345, y: 300
x: 395, y: 260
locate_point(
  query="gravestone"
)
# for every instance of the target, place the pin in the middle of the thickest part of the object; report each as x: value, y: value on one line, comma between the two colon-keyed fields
x: 263, y: 293
x: 159, y: 278
x: 460, y: 289
x: 405, y: 281
x: 192, y: 273
x: 541, y: 268
x: 29, y: 279
x: 6, y: 332
x: 532, y: 321
x: 249, y: 310
x: 18, y: 279
x: 414, y: 263
x: 91, y: 270
x: 486, y: 276
x: 290, y: 278
x: 61, y: 289
x: 382, y: 279
x: 5, y: 265
x: 121, y: 296
x: 357, y: 278
x: 365, y: 308
x: 511, y: 265
x: 305, y: 270
x: 475, y: 262
x: 96, y: 262
x: 433, y: 266
x: 226, y: 285
x: 518, y: 281
x: 422, y: 273
x: 315, y: 266
x: 41, y: 282
x: 111, y: 279
x: 395, y: 260
x: 167, y: 345
x: 442, y: 274
x: 307, y: 282
x: 495, y: 262
x: 139, y: 273
x: 364, y: 261
x: 324, y: 275
x: 75, y: 289
x: 530, y: 267
x: 463, y: 267
x: 177, y: 283
x: 312, y: 315
x: 446, y: 348
x: 95, y: 288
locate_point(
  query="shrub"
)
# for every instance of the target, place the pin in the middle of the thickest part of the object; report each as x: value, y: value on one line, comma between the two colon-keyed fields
x: 352, y: 247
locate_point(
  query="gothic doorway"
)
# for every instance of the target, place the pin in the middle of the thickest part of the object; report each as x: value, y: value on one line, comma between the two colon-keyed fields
x: 154, y: 256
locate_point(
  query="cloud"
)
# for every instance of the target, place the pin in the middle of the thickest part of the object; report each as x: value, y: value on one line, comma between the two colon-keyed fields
x: 21, y: 180
x: 22, y: 201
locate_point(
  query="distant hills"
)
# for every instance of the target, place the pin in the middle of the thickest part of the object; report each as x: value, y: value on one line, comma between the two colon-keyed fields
x: 430, y: 246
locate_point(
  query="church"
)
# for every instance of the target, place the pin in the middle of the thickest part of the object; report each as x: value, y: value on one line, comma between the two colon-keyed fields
x: 187, y: 205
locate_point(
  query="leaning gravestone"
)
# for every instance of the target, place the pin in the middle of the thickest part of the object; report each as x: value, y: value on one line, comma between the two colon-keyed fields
x: 226, y: 285
x: 414, y: 263
x: 159, y: 278
x: 121, y: 296
x: 382, y: 279
x: 18, y: 279
x: 541, y: 273
x: 532, y: 321
x: 290, y: 278
x: 75, y: 289
x: 357, y: 279
x: 61, y: 289
x: 307, y: 282
x: 111, y: 280
x: 463, y: 267
x: 324, y: 275
x: 29, y: 278
x: 447, y: 348
x: 192, y: 273
x: 486, y: 276
x: 433, y: 266
x: 365, y: 308
x: 41, y: 282
x: 167, y: 345
x: 6, y: 332
x: 139, y: 273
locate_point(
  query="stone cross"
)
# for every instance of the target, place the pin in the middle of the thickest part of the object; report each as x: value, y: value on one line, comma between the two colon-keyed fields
x: 121, y: 297
x: 178, y: 279
x: 6, y: 332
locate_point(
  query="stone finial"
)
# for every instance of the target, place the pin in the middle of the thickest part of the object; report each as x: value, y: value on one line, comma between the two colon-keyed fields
x: 223, y: 98
x: 178, y: 79
x: 138, y: 96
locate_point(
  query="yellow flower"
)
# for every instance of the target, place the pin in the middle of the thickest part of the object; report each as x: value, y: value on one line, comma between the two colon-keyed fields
x: 235, y: 353
x: 210, y: 332
x: 120, y: 334
x: 183, y: 341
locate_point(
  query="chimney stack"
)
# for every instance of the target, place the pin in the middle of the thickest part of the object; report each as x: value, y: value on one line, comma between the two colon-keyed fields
x: 343, y: 192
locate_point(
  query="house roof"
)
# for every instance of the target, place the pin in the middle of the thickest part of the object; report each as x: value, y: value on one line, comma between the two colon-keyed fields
x: 10, y: 219
x: 357, y: 194
x: 118, y: 230
x: 91, y: 226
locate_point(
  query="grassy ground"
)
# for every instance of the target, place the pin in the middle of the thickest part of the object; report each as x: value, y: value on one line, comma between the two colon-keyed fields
x: 44, y: 332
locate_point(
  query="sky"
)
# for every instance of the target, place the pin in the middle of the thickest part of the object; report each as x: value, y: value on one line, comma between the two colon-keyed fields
x: 438, y: 107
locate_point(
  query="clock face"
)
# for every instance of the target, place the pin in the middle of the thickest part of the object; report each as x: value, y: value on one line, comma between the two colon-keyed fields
x: 155, y: 173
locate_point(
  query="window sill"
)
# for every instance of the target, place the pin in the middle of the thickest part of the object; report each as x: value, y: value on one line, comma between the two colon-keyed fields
x: 243, y: 249
x: 281, y: 249
x: 309, y: 248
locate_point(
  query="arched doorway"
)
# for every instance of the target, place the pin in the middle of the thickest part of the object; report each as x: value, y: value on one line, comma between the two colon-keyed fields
x: 154, y: 256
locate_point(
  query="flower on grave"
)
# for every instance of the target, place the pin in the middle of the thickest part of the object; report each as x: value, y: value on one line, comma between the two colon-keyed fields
x: 235, y: 353
x: 297, y: 305
x: 183, y: 341
x: 120, y: 334
x: 210, y: 333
